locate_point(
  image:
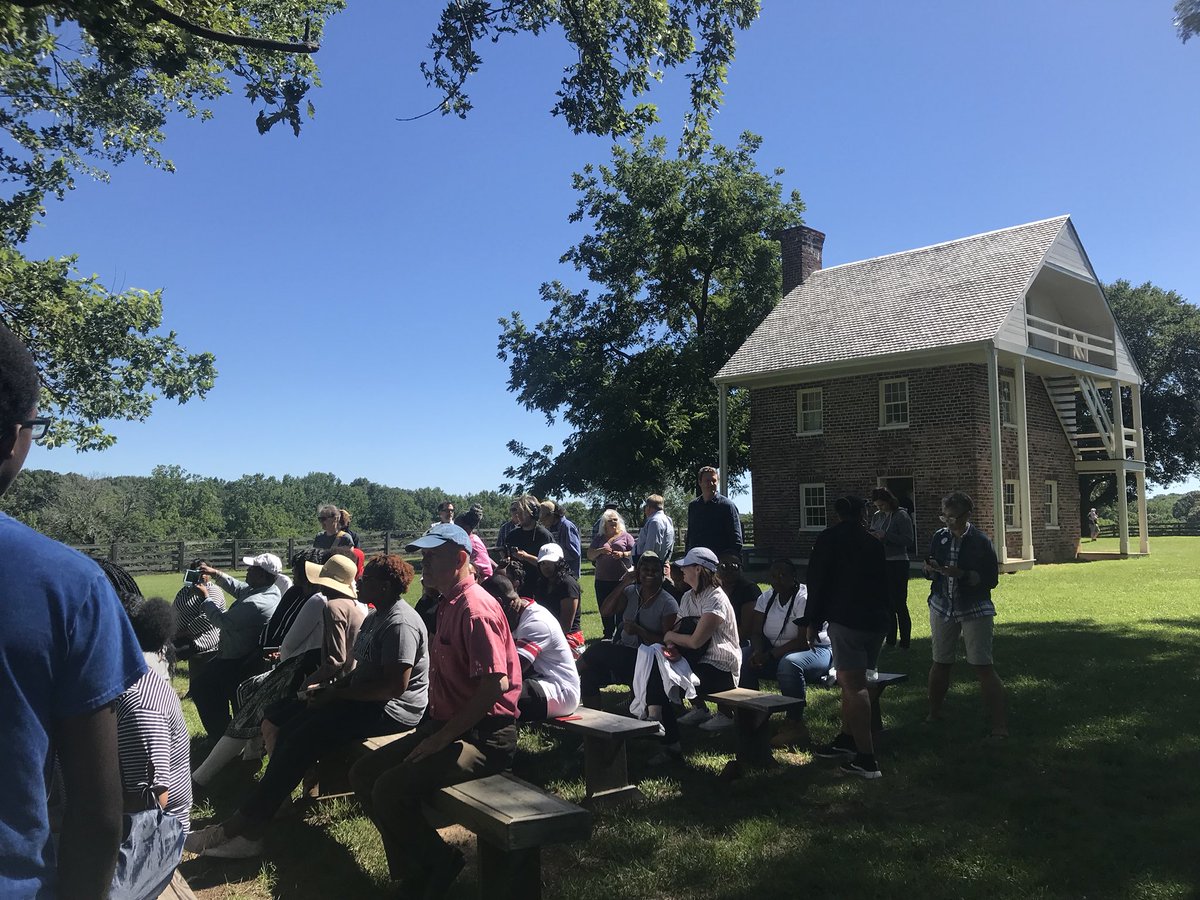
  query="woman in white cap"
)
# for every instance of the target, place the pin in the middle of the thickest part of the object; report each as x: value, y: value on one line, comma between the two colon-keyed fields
x: 706, y: 634
x: 559, y: 593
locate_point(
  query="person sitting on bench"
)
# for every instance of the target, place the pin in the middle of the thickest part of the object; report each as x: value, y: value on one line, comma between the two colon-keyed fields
x: 549, y: 679
x: 779, y: 648
x: 647, y: 613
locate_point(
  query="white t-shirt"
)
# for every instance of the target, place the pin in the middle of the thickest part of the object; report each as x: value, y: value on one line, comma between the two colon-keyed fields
x: 724, y: 650
x: 540, y: 641
x: 780, y: 626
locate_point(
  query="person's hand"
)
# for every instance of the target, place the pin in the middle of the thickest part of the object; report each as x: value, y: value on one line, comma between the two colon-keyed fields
x: 435, y: 743
x: 272, y: 655
x: 671, y: 652
x: 628, y: 578
x: 878, y: 535
x: 757, y: 661
x: 953, y: 571
x: 209, y: 570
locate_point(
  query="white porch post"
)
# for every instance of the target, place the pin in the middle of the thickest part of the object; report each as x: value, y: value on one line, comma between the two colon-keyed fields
x: 723, y: 440
x: 1023, y: 458
x: 1139, y: 453
x: 1118, y: 415
x: 993, y: 377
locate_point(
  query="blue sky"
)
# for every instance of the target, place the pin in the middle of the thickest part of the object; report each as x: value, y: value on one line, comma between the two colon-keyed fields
x: 351, y: 279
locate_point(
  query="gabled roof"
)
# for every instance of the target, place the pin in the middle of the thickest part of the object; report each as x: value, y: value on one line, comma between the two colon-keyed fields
x: 958, y: 292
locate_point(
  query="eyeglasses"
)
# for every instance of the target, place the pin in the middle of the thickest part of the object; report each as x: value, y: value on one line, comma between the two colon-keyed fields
x: 324, y: 517
x: 38, y: 426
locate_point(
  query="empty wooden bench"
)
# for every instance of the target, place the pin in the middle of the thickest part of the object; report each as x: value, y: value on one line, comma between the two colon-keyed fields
x: 752, y: 713
x: 605, y: 763
x: 512, y: 819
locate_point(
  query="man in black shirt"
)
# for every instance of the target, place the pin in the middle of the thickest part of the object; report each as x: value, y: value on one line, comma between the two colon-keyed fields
x: 713, y: 519
x: 524, y: 541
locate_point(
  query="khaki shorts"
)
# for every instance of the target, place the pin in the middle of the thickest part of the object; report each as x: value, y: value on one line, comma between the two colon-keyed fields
x: 976, y: 635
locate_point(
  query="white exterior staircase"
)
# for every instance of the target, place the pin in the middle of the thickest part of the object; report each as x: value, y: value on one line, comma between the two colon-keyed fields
x: 1065, y: 391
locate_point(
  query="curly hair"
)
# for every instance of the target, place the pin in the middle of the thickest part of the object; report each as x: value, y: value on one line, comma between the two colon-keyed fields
x: 118, y: 577
x: 153, y: 620
x: 19, y: 384
x: 398, y: 573
x: 469, y: 520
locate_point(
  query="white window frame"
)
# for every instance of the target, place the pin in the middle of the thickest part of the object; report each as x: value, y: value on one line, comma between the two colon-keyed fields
x: 801, y: 395
x: 1009, y: 381
x: 883, y: 386
x: 805, y: 523
x: 1014, y: 522
x: 1052, y: 505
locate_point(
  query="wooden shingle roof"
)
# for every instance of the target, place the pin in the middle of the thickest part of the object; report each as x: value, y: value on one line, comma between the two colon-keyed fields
x: 958, y: 292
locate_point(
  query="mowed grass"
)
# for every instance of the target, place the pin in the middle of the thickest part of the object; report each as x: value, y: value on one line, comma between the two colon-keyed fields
x: 1094, y: 795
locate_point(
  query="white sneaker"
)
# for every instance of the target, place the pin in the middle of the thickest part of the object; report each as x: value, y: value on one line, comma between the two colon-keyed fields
x: 698, y: 715
x: 199, y: 841
x: 235, y: 848
x: 718, y: 722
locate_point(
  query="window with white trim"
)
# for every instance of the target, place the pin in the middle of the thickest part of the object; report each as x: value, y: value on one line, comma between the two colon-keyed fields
x: 812, y: 507
x: 1051, y: 504
x: 1008, y: 387
x: 893, y: 403
x: 810, y: 411
x: 1012, y: 505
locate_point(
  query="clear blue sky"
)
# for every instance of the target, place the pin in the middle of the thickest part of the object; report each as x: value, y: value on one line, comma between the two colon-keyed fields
x: 349, y: 280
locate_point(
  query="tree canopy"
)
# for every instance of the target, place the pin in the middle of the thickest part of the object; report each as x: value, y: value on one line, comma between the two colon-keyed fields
x: 684, y: 260
x: 1187, y: 18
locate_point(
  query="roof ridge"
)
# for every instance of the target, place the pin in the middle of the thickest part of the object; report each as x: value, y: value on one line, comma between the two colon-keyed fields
x: 970, y: 237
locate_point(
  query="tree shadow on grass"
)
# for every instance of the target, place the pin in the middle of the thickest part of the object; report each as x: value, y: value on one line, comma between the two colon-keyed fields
x: 1093, y: 795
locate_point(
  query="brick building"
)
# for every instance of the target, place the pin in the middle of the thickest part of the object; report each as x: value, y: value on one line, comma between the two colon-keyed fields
x: 976, y: 364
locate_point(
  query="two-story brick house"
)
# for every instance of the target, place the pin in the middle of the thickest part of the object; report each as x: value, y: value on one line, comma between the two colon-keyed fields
x: 963, y: 365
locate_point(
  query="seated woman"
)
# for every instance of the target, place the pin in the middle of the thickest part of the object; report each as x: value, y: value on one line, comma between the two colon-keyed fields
x: 646, y: 613
x: 711, y: 647
x: 549, y: 679
x: 779, y: 648
x: 385, y: 694
x: 558, y: 592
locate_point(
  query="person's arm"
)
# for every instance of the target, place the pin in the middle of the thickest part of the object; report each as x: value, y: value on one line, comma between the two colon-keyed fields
x: 566, y: 612
x: 598, y: 549
x: 758, y: 643
x: 736, y: 522
x: 690, y: 540
x: 91, y: 831
x: 613, y: 604
x: 307, y: 621
x: 491, y: 688
x: 900, y: 530
x: 704, y: 630
x: 335, y: 640
x: 393, y: 684
x: 573, y: 551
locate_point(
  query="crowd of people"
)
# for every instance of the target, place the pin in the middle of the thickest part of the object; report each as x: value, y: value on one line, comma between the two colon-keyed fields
x: 301, y: 665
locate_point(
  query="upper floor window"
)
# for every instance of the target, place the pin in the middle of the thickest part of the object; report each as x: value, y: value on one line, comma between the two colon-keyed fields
x: 810, y: 411
x: 1008, y: 386
x: 893, y: 403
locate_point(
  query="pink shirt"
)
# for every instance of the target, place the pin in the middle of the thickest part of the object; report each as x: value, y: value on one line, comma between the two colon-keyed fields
x: 479, y: 557
x: 472, y: 640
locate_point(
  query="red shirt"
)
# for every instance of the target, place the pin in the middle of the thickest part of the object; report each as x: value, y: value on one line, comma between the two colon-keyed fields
x: 472, y: 640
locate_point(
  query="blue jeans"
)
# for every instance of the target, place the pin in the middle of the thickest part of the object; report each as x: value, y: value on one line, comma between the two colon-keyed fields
x: 792, y: 672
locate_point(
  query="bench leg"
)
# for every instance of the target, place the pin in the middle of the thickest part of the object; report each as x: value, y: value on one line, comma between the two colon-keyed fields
x: 753, y: 738
x: 509, y: 874
x: 876, y: 691
x: 606, y: 771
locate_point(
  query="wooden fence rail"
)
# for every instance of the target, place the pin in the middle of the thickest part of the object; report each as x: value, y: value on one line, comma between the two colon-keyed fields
x: 1156, y: 529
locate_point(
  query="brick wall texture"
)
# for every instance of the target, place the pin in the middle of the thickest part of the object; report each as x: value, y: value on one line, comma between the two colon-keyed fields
x: 946, y: 447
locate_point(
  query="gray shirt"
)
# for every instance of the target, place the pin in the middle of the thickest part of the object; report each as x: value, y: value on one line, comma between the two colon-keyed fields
x: 658, y: 534
x: 246, y: 617
x: 897, y: 530
x: 649, y: 617
x: 396, y: 636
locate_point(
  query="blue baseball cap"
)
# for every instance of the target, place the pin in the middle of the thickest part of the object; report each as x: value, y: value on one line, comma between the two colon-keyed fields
x: 441, y: 534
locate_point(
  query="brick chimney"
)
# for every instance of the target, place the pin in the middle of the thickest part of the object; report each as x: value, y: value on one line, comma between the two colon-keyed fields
x: 801, y: 248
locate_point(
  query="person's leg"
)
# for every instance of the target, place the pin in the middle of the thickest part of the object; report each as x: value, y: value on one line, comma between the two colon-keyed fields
x: 532, y: 702
x: 943, y: 642
x: 603, y: 589
x: 367, y: 771
x: 211, y: 691
x: 225, y: 751
x: 795, y: 670
x: 898, y: 576
x: 856, y: 708
x: 750, y: 675
x: 977, y: 635
x: 656, y: 696
x: 414, y: 848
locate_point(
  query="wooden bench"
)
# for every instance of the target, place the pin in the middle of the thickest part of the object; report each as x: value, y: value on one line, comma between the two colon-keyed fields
x: 511, y: 820
x: 605, y: 764
x: 752, y: 713
x: 876, y: 689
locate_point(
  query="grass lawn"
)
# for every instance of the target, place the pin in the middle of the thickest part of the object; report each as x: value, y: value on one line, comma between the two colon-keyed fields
x: 1095, y: 794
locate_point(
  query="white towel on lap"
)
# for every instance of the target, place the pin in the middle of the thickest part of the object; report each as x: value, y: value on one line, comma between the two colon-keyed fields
x: 678, y: 678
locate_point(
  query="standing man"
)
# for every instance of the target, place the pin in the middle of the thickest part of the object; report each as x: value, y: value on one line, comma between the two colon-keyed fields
x: 847, y: 586
x: 657, y: 533
x: 469, y: 731
x: 713, y: 519
x: 238, y: 653
x: 67, y: 651
x: 445, y: 513
x: 962, y: 563
x: 566, y: 534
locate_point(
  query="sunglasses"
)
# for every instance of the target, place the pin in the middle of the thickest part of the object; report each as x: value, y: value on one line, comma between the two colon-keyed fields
x: 38, y: 426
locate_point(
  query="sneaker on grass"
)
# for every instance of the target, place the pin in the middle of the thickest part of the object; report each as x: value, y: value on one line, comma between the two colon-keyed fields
x: 842, y: 745
x: 719, y: 722
x: 697, y: 716
x: 863, y: 765
x: 240, y: 847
